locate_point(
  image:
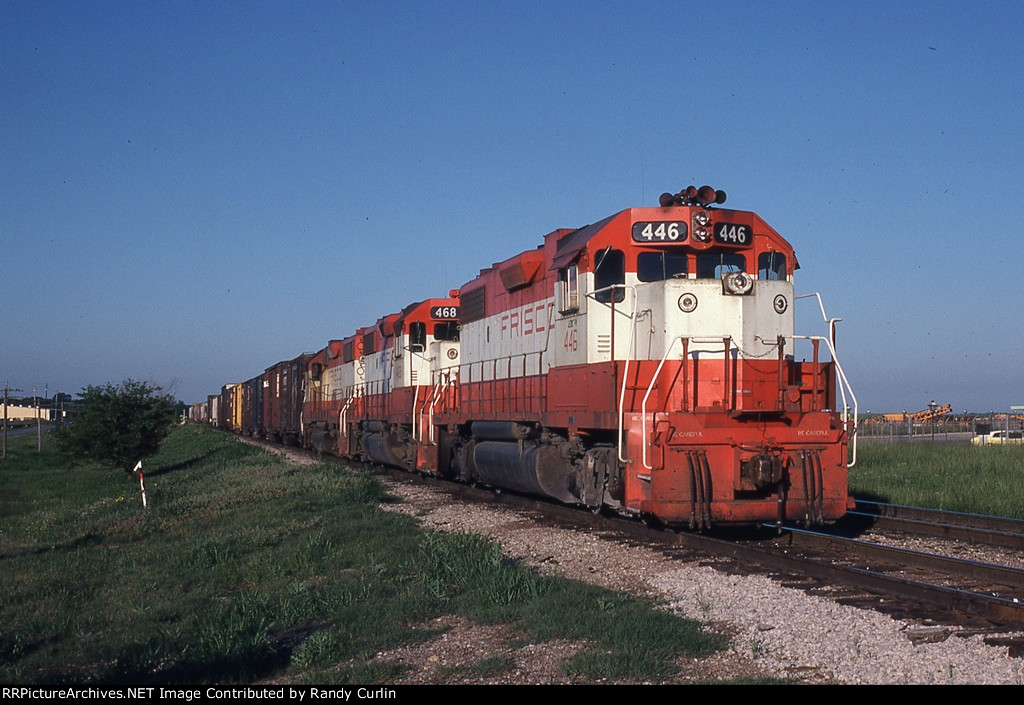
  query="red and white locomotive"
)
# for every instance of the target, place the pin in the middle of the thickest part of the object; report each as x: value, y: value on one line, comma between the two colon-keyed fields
x: 644, y: 363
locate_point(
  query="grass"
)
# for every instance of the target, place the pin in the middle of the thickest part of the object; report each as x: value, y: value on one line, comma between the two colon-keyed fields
x: 244, y: 567
x: 942, y: 475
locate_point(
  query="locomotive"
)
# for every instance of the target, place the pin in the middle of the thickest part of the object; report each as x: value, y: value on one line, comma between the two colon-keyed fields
x: 644, y: 364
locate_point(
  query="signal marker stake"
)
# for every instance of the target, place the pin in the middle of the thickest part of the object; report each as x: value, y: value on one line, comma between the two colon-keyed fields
x: 142, y: 484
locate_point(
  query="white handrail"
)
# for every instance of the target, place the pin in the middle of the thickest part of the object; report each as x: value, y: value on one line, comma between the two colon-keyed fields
x: 844, y: 389
x: 415, y: 398
x: 452, y: 376
x: 844, y: 386
x: 654, y: 379
x: 417, y: 415
x: 629, y: 345
x: 643, y: 404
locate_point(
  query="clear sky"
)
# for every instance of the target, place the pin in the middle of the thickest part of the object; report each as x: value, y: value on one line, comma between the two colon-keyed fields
x: 192, y: 191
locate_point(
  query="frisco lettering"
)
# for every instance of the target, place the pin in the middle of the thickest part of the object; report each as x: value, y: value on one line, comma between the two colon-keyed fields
x: 528, y: 320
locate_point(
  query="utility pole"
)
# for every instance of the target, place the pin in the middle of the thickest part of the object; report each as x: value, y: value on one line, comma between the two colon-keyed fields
x: 39, y: 421
x: 7, y: 388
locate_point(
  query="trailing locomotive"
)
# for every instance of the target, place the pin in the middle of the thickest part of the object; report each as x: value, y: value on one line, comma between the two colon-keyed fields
x: 645, y: 363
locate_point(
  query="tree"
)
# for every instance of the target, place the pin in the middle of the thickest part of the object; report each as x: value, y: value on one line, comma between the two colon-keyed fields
x: 118, y: 425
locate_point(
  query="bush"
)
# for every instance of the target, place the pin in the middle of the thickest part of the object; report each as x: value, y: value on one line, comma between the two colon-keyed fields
x: 118, y: 425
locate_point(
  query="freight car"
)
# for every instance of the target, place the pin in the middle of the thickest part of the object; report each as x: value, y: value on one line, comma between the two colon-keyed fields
x: 283, y: 391
x: 645, y: 363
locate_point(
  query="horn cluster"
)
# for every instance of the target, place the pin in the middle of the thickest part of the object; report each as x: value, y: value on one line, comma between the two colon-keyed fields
x: 693, y: 196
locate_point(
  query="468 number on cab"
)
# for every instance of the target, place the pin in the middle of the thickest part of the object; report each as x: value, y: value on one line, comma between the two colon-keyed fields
x: 445, y: 313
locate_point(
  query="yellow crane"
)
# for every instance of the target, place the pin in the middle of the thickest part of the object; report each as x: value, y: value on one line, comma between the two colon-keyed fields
x: 920, y: 416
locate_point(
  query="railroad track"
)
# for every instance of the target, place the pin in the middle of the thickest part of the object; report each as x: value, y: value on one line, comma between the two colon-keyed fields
x: 976, y: 594
x: 973, y: 528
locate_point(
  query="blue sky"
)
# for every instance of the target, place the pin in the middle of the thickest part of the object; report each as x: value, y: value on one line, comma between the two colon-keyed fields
x: 192, y: 191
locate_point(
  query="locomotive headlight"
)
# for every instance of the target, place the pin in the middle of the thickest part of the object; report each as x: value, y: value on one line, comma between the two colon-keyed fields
x: 687, y: 303
x: 737, y: 284
x: 701, y: 219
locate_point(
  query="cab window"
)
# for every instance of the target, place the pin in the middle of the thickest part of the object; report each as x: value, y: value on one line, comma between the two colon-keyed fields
x: 712, y: 265
x: 448, y: 330
x: 609, y: 270
x: 657, y: 266
x: 417, y: 336
x: 568, y: 280
x: 771, y: 266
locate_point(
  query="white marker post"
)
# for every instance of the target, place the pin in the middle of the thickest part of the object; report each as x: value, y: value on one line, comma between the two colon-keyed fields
x: 142, y: 484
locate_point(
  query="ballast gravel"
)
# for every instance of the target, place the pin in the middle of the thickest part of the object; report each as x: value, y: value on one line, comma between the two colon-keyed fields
x: 775, y: 630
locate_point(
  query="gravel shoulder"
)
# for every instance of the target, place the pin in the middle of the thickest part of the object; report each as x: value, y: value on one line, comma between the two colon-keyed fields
x: 777, y: 631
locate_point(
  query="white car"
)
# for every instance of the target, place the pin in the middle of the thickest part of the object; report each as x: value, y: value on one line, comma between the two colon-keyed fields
x: 1000, y: 438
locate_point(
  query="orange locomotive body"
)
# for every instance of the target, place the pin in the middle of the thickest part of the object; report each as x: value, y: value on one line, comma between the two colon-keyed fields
x: 646, y: 363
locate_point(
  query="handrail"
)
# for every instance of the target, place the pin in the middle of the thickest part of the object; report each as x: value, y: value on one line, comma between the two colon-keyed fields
x: 654, y: 379
x: 341, y: 418
x: 629, y: 346
x: 507, y: 379
x: 452, y: 376
x: 643, y: 404
x: 844, y: 385
x: 415, y: 416
x: 844, y: 388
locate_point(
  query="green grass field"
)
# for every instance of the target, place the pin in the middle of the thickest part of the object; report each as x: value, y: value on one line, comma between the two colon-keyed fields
x: 963, y: 478
x: 244, y: 567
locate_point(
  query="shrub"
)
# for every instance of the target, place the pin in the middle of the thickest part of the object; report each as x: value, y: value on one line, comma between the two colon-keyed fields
x: 118, y: 425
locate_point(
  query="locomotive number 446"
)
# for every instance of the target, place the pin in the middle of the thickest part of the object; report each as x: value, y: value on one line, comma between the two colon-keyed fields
x: 732, y: 234
x: 665, y: 231
x: 571, y: 340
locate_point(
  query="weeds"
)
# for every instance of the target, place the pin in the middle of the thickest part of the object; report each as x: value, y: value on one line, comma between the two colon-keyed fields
x: 244, y: 567
x: 704, y: 603
x: 943, y: 476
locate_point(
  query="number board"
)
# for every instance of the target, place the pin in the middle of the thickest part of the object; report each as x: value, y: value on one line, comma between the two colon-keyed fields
x: 445, y: 313
x: 663, y: 231
x: 733, y: 234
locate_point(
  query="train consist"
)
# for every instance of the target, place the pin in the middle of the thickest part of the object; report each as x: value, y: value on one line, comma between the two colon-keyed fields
x: 645, y: 364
